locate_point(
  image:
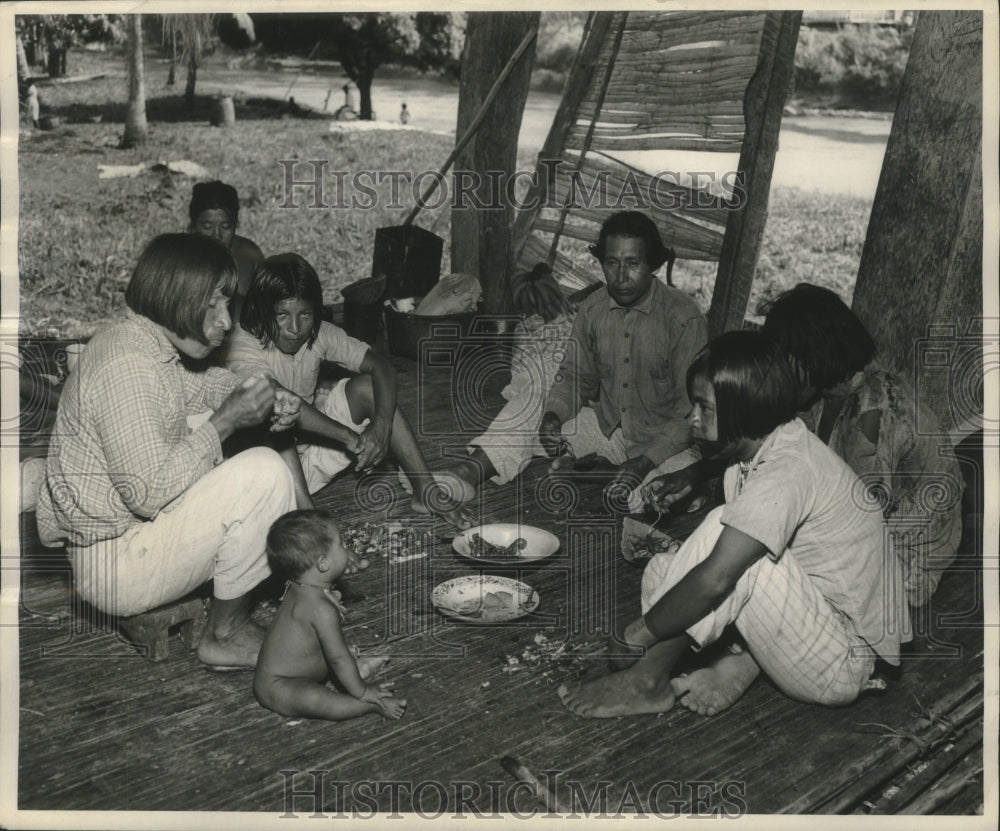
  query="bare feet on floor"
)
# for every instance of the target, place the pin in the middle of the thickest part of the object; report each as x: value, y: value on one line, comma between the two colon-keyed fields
x: 712, y: 689
x: 368, y: 665
x: 464, y: 475
x: 453, y: 482
x: 565, y: 461
x: 236, y: 650
x: 356, y: 564
x: 437, y: 500
x: 625, y: 693
x: 621, y: 653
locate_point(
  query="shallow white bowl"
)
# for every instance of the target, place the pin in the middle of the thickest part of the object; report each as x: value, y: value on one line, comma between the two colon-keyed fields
x: 541, y: 544
x: 463, y: 598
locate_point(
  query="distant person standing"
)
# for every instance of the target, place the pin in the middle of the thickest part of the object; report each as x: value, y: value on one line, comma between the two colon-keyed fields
x: 351, y: 96
x: 348, y: 111
x: 404, y: 115
x: 32, y: 105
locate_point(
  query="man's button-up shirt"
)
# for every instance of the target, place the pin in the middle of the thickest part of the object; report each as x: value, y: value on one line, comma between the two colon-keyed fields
x: 631, y: 364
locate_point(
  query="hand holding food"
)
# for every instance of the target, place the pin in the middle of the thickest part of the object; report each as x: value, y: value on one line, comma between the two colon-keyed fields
x: 664, y: 491
x: 286, y: 410
x: 246, y: 406
x: 550, y: 434
x: 372, y: 445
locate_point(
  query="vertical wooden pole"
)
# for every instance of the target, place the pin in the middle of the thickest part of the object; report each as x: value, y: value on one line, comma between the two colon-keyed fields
x: 920, y: 282
x: 762, y: 108
x: 595, y: 116
x: 482, y: 231
x: 581, y: 74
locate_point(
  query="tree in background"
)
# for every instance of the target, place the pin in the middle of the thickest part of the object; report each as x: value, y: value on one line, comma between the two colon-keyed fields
x: 442, y: 36
x: 482, y: 240
x: 135, y: 117
x: 23, y: 68
x: 204, y: 31
x: 47, y: 38
x: 364, y: 42
x: 197, y: 36
x: 236, y: 30
x: 559, y: 37
x: 859, y: 63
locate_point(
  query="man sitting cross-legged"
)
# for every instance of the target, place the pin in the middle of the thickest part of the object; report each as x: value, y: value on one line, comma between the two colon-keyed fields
x: 619, y: 392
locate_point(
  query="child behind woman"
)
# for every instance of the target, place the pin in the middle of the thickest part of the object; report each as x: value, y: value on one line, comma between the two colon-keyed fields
x: 874, y: 421
x: 540, y: 341
x: 305, y: 645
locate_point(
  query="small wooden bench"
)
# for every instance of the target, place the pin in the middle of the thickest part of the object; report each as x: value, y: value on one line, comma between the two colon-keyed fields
x: 150, y: 631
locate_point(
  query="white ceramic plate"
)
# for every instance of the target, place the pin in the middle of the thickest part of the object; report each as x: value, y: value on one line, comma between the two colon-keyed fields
x: 484, y: 598
x: 540, y: 544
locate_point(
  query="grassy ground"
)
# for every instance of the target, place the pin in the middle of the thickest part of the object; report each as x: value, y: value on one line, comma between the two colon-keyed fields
x: 79, y: 236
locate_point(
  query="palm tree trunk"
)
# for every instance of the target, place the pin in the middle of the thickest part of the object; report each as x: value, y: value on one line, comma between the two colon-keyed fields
x: 484, y: 243
x: 135, y: 118
x: 172, y: 75
x: 23, y: 70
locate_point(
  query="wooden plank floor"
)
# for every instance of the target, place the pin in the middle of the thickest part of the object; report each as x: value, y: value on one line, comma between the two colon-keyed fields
x: 102, y: 729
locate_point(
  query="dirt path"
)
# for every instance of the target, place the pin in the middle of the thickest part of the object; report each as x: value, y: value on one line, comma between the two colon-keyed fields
x: 829, y: 154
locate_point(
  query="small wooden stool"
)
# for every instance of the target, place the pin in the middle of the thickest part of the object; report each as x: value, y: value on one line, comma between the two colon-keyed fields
x: 150, y: 631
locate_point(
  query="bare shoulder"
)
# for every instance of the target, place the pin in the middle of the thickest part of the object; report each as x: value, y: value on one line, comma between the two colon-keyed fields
x: 247, y: 249
x: 321, y: 612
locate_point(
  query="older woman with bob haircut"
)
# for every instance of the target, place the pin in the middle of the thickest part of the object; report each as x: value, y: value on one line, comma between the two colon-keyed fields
x: 794, y: 560
x: 146, y: 505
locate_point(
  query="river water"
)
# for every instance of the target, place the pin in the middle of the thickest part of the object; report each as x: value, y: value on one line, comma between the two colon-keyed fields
x: 831, y: 154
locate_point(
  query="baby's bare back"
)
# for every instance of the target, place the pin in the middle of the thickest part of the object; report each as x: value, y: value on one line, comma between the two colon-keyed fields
x: 291, y: 648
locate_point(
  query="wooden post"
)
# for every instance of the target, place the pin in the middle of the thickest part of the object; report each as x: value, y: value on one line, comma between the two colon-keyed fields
x: 601, y: 92
x: 597, y: 33
x: 223, y: 112
x: 762, y: 107
x: 482, y: 232
x: 920, y: 285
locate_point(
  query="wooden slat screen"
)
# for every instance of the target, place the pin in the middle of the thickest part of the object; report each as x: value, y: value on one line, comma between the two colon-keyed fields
x: 677, y: 83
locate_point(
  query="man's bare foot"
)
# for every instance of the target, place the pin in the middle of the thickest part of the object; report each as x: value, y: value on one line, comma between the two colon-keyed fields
x: 469, y: 475
x: 355, y: 564
x: 712, y: 689
x: 461, y: 517
x: 565, y: 461
x: 625, y: 693
x: 237, y: 650
x: 621, y: 653
x: 453, y: 485
x: 436, y: 500
x: 368, y: 665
